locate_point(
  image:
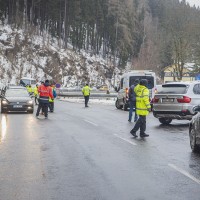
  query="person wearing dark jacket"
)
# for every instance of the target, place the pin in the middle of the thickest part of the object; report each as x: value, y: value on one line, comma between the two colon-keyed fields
x: 45, y: 92
x: 132, y: 101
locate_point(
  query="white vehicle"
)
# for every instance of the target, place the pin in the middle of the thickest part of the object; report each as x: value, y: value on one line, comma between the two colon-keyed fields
x: 27, y: 81
x: 127, y: 80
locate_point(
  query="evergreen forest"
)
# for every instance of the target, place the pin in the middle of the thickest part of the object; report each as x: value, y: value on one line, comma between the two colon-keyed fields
x: 149, y: 34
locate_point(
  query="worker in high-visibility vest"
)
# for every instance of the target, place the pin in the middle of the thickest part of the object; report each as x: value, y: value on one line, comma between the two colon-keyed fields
x: 51, y: 101
x: 36, y: 94
x: 142, y: 108
x: 86, y: 93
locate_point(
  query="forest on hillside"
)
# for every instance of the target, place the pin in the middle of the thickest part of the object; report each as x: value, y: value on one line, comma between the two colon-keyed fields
x: 149, y: 34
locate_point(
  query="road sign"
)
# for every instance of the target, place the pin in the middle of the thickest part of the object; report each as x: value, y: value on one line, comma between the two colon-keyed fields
x: 58, y: 85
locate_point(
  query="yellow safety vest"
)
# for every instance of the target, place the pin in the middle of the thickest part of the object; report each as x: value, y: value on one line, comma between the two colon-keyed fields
x: 36, y: 93
x: 29, y: 89
x: 142, y: 100
x: 86, y: 90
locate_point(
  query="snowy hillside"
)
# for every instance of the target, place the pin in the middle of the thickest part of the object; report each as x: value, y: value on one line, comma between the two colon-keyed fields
x: 27, y: 54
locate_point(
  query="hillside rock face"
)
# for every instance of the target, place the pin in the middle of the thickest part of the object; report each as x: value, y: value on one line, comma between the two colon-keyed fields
x: 26, y: 54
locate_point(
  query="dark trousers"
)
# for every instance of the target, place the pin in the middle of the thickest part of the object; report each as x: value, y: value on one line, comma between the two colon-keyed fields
x: 51, y: 106
x: 36, y: 101
x: 140, y: 124
x: 132, y: 105
x: 44, y: 107
x: 86, y: 100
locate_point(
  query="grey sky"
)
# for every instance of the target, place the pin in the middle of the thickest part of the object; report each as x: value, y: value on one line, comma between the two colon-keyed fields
x: 194, y: 2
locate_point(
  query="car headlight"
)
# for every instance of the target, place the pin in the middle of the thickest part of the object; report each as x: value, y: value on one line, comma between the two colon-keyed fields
x: 30, y: 102
x: 4, y: 102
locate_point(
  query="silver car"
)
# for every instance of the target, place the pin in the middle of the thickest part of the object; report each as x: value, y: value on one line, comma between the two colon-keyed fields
x: 176, y: 101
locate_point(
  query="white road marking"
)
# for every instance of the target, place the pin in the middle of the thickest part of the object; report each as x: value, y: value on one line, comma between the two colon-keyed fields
x: 184, y: 173
x: 90, y: 122
x: 126, y: 140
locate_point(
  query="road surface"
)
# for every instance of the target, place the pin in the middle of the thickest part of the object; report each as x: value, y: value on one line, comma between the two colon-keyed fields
x: 88, y: 154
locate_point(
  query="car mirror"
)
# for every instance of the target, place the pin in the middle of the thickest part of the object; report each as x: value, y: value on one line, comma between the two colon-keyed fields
x: 196, y: 108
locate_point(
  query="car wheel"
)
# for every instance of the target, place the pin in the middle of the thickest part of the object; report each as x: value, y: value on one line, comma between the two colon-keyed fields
x: 118, y: 106
x: 195, y: 148
x: 165, y: 121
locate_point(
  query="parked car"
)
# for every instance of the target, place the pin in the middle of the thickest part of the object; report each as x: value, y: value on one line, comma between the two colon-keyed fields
x: 103, y: 88
x: 194, y: 131
x: 176, y: 101
x: 17, y: 87
x: 16, y: 100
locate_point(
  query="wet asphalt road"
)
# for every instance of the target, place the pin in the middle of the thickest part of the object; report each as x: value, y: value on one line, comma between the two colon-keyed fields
x: 88, y: 154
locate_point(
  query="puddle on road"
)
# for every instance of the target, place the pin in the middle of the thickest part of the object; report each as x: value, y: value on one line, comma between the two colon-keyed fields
x: 3, y: 129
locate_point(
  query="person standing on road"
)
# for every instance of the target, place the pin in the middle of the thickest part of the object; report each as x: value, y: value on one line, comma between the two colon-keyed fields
x: 36, y: 94
x: 132, y: 101
x: 142, y: 108
x: 29, y: 89
x: 45, y: 92
x: 51, y: 101
x: 86, y: 93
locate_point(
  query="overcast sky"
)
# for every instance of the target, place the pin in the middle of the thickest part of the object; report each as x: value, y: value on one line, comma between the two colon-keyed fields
x: 196, y: 2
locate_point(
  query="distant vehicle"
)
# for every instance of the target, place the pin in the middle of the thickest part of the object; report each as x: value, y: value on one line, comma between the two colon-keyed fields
x: 127, y: 80
x: 194, y: 131
x: 27, y: 81
x: 176, y: 101
x: 16, y: 100
x: 103, y: 88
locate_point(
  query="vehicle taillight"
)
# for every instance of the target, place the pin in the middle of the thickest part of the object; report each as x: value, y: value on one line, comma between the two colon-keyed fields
x: 126, y: 92
x: 185, y: 99
x: 155, y: 100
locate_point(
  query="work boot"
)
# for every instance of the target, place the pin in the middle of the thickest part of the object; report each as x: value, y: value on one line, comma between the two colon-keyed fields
x: 143, y: 135
x: 133, y: 133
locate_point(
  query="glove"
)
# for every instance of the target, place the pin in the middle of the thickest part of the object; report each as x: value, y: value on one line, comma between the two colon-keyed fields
x: 149, y: 109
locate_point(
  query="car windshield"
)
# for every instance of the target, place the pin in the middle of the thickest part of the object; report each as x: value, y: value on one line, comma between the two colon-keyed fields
x: 150, y: 80
x: 173, y: 89
x: 33, y: 82
x: 17, y: 93
x: 25, y: 82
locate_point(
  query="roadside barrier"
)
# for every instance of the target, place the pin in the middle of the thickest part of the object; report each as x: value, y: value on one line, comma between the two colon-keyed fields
x: 78, y: 94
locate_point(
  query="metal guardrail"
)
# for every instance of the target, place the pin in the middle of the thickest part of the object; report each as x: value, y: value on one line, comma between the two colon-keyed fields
x: 94, y: 94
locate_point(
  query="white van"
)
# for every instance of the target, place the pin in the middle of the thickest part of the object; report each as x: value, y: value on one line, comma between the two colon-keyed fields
x: 127, y: 80
x: 27, y: 81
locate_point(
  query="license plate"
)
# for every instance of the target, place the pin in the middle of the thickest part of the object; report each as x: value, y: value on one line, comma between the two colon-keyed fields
x: 168, y: 100
x: 17, y: 106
